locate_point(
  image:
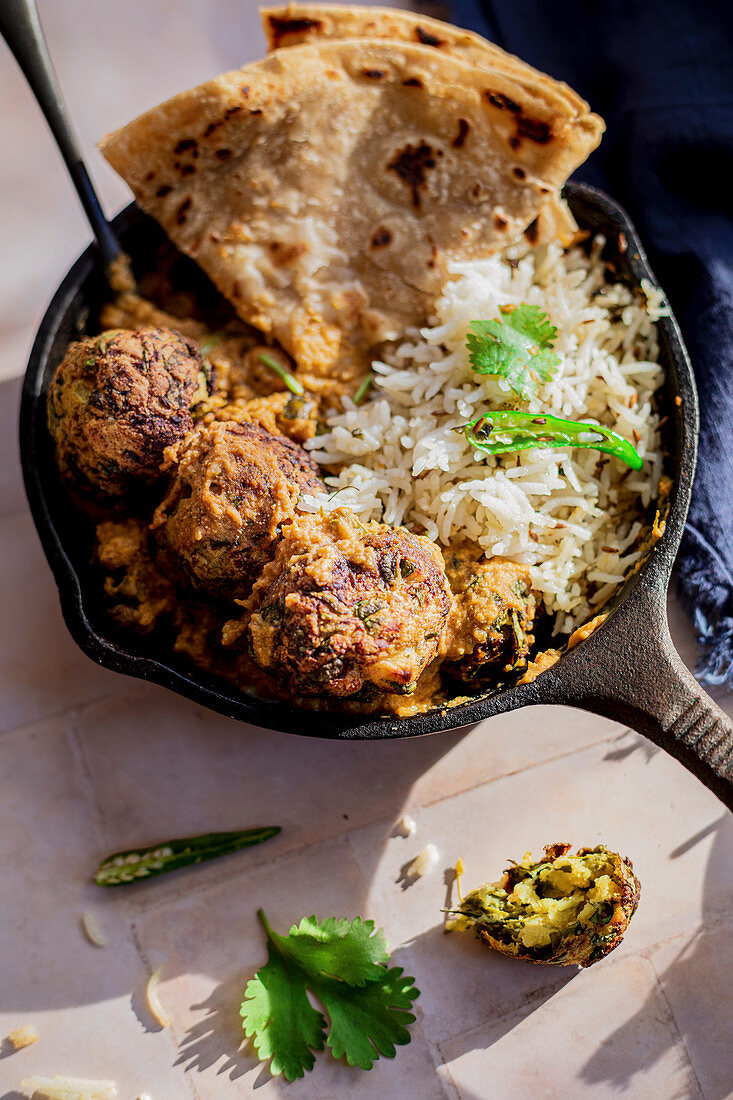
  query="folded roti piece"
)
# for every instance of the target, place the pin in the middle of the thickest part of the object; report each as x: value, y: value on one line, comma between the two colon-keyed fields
x: 295, y: 24
x: 298, y: 23
x: 325, y: 188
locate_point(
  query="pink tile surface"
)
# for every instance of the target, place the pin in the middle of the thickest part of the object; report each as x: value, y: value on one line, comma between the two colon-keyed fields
x: 43, y: 670
x: 82, y: 999
x: 206, y: 976
x: 589, y: 1039
x: 604, y: 793
x: 90, y: 762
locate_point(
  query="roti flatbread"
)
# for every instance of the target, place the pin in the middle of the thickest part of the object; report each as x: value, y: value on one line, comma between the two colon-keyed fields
x: 325, y: 188
x: 297, y: 23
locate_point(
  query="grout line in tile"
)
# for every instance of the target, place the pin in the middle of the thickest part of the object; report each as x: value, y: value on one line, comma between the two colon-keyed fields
x: 170, y: 1037
x: 70, y: 711
x: 540, y: 994
x: 445, y: 1081
x: 77, y: 749
x: 526, y: 768
x: 722, y: 924
x: 190, y: 889
x: 681, y: 1044
x: 14, y: 513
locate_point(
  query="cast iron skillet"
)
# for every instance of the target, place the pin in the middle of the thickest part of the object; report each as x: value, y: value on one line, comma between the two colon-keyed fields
x: 627, y: 670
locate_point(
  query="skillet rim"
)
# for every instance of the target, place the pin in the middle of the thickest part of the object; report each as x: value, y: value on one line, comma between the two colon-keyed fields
x: 212, y: 693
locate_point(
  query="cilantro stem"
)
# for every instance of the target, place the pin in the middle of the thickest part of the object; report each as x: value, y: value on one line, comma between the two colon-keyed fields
x: 264, y: 922
x: 363, y: 389
x: 211, y: 342
x: 289, y: 379
x: 505, y: 432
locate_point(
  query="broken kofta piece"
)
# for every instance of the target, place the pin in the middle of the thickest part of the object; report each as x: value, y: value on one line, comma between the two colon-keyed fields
x: 117, y: 401
x: 493, y: 618
x: 234, y: 485
x: 563, y: 909
x: 346, y: 606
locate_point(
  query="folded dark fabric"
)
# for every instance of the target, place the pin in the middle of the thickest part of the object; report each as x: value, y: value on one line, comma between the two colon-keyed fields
x: 662, y: 77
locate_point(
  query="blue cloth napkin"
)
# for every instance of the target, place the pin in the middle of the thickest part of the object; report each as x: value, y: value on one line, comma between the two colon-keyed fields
x: 661, y: 75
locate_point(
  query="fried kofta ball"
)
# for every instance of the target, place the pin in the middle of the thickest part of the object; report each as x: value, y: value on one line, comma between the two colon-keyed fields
x: 234, y: 485
x: 563, y: 909
x: 117, y: 401
x: 345, y: 606
x: 493, y: 618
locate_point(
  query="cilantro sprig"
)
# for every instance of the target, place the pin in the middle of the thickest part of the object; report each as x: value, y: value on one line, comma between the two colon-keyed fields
x: 345, y: 965
x: 517, y: 348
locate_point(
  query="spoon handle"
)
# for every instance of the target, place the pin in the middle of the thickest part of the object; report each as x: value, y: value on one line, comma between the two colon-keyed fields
x: 21, y: 28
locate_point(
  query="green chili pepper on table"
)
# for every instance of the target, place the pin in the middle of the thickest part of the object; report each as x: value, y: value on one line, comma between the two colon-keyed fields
x: 508, y: 431
x: 137, y: 864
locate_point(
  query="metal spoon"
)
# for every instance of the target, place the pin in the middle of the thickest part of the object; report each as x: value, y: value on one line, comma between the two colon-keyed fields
x: 21, y: 28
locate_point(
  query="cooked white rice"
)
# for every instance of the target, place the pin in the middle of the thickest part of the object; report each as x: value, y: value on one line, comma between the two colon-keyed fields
x: 574, y: 516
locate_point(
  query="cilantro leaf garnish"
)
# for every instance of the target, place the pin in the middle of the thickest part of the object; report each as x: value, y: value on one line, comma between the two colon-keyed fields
x: 517, y: 348
x: 344, y: 964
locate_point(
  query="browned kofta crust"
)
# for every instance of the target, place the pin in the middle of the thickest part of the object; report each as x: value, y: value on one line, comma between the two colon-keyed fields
x: 117, y: 401
x: 346, y: 606
x: 234, y: 486
x: 494, y: 616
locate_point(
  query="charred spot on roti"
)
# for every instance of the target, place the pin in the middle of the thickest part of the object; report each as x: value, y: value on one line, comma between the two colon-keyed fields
x: 460, y: 138
x: 255, y: 111
x: 411, y: 165
x: 214, y: 126
x: 223, y: 154
x: 514, y: 141
x: 186, y: 145
x: 426, y: 39
x: 500, y: 222
x: 519, y: 173
x: 287, y: 255
x: 533, y: 129
x: 503, y: 102
x: 164, y: 190
x: 188, y: 169
x: 381, y: 237
x: 412, y: 82
x: 149, y: 176
x: 182, y: 211
x: 283, y: 28
x: 373, y: 74
x: 532, y: 232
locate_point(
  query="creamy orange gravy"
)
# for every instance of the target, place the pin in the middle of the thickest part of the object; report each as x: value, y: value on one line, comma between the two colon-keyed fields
x: 142, y: 595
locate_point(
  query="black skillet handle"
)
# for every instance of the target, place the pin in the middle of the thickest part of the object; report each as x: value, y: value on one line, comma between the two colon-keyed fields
x: 21, y: 28
x: 630, y: 672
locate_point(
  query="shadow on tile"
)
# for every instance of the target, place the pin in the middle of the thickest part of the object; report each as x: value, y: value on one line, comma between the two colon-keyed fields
x: 630, y: 742
x: 504, y: 974
x: 12, y: 497
x: 219, y: 1034
x: 682, y: 969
